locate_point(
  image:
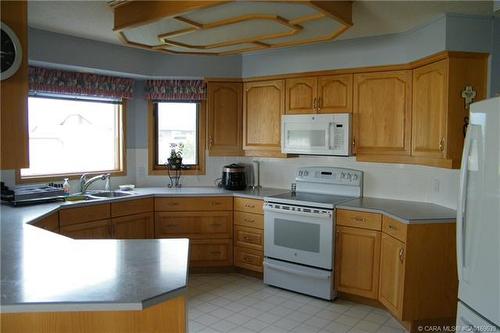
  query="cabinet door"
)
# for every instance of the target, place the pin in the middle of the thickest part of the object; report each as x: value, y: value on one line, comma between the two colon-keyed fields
x: 194, y: 225
x: 50, y: 222
x: 138, y: 226
x: 301, y: 96
x: 248, y: 259
x: 357, y: 255
x: 225, y: 103
x: 88, y: 230
x: 263, y: 105
x: 430, y: 104
x: 335, y: 94
x: 382, y: 111
x: 392, y: 271
x: 251, y: 238
x: 210, y: 252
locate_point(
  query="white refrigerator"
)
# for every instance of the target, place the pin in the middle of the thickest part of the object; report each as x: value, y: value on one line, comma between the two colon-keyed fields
x: 478, y: 222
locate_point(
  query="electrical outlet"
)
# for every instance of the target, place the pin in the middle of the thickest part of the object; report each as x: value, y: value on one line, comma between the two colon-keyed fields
x: 435, y: 185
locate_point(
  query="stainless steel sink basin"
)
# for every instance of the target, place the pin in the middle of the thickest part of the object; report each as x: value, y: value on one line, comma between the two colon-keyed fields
x: 112, y: 194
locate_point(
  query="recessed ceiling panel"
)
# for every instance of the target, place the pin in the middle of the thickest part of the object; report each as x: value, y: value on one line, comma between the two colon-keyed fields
x: 221, y: 27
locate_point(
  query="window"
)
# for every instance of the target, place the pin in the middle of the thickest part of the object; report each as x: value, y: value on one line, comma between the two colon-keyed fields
x: 174, y: 125
x: 71, y: 136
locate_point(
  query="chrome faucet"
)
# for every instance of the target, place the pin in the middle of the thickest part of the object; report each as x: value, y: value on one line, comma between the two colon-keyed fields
x: 85, y: 183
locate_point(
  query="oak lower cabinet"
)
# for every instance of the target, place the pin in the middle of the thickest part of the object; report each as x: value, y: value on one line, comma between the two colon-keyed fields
x: 321, y: 94
x: 392, y: 271
x: 137, y: 226
x: 263, y: 106
x: 49, y: 223
x: 100, y: 229
x: 206, y: 221
x: 357, y: 252
x: 248, y: 234
x: 225, y: 118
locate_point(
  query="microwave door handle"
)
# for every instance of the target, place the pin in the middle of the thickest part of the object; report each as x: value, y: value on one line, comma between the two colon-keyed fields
x: 330, y: 134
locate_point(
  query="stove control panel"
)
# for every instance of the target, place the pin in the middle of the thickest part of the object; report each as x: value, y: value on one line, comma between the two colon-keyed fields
x: 330, y: 175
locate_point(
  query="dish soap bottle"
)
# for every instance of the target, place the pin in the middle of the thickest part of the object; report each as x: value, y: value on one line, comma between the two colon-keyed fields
x: 66, y: 186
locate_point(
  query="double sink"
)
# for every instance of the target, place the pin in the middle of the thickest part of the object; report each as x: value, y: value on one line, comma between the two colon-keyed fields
x: 96, y: 195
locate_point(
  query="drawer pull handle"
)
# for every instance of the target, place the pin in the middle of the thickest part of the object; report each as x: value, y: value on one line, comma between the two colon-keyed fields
x: 173, y: 204
x: 249, y: 206
x: 247, y: 259
x: 216, y: 203
x: 247, y: 238
x: 249, y: 220
x: 215, y: 224
x: 392, y: 227
x: 359, y: 219
x: 401, y: 254
x: 171, y: 225
x: 215, y: 252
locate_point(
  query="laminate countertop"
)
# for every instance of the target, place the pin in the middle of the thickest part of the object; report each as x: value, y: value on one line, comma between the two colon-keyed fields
x: 46, y: 272
x: 409, y: 212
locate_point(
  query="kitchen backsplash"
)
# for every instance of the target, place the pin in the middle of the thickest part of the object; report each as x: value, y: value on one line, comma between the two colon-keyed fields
x: 393, y: 181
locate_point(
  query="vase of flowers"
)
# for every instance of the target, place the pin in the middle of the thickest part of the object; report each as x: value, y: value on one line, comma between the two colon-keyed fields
x: 175, y: 159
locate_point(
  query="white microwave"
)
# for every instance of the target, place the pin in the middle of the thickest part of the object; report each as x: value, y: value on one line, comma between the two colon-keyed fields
x: 318, y: 134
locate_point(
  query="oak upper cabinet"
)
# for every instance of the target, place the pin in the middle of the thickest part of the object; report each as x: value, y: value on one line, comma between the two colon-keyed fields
x: 14, y: 92
x: 429, y: 110
x: 301, y: 95
x: 357, y: 253
x: 225, y: 108
x: 335, y: 94
x: 263, y: 105
x: 323, y: 94
x: 392, y: 271
x: 382, y: 114
x: 439, y: 113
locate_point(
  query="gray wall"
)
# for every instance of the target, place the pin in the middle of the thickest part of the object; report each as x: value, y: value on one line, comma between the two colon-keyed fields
x: 63, y: 51
x: 495, y: 59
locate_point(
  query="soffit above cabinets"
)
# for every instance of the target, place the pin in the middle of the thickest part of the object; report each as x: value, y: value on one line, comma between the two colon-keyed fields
x: 227, y: 27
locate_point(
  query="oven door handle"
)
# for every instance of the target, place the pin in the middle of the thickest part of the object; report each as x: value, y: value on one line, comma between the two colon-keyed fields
x: 319, y: 275
x: 327, y: 216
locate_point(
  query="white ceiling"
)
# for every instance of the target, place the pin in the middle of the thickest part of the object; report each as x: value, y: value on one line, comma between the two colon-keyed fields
x: 94, y: 19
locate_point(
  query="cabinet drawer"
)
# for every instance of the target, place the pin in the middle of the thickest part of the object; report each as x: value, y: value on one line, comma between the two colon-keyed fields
x: 193, y: 204
x: 211, y: 252
x: 248, y: 258
x: 84, y: 214
x: 249, y: 220
x: 89, y: 230
x: 249, y: 237
x: 249, y: 205
x: 130, y: 207
x: 394, y: 228
x: 352, y: 218
x: 194, y: 224
x: 50, y: 223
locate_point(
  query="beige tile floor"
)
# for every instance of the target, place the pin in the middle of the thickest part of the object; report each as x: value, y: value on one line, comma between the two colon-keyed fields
x: 237, y: 303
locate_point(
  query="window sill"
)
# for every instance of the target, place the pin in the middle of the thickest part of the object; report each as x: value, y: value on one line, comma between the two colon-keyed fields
x: 60, y: 177
x: 185, y: 172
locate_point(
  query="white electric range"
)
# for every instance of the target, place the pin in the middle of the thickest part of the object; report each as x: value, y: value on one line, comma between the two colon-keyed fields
x: 300, y: 230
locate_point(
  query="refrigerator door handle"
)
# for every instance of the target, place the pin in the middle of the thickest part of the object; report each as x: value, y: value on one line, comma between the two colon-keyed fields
x: 462, y: 197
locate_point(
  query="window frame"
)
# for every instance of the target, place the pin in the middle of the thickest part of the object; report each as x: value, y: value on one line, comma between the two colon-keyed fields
x: 122, y: 151
x: 155, y: 169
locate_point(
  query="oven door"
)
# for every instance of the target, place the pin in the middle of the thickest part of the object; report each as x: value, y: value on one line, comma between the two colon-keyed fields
x: 298, y: 236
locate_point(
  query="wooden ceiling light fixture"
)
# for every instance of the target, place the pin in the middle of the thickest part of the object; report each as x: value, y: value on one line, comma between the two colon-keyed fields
x: 227, y: 27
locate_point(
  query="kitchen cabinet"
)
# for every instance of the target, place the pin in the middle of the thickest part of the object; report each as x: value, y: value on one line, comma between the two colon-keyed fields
x: 392, y: 270
x: 248, y: 234
x: 263, y: 105
x: 77, y: 215
x: 225, y: 113
x: 382, y: 114
x: 439, y: 115
x: 129, y: 207
x: 100, y: 229
x: 50, y: 223
x: 357, y: 253
x: 137, y: 226
x: 206, y: 221
x: 323, y: 94
x: 14, y: 92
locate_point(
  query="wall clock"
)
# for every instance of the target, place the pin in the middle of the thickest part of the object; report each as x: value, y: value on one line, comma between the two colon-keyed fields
x: 11, y: 52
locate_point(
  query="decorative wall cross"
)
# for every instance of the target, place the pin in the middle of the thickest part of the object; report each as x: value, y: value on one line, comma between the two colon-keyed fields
x: 468, y: 94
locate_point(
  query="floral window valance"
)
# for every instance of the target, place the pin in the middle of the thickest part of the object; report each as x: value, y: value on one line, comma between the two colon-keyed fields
x: 53, y: 81
x: 176, y: 90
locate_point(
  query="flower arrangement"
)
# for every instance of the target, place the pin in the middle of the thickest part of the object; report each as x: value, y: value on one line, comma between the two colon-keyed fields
x: 175, y: 159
